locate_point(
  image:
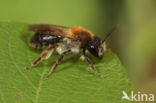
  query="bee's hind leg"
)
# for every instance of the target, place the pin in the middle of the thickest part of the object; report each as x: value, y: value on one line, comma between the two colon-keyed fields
x: 44, y: 55
x: 58, y: 61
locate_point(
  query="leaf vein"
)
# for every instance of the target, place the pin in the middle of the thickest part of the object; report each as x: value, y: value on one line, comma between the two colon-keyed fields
x: 11, y: 56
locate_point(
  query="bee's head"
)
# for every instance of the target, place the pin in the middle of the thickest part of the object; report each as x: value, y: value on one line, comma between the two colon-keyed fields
x: 96, y: 47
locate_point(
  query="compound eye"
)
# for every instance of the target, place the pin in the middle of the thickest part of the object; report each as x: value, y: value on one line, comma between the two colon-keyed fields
x: 94, y: 47
x: 93, y: 50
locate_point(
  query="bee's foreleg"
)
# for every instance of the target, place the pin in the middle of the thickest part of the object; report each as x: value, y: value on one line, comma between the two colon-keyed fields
x: 57, y: 62
x: 44, y: 55
x: 91, y: 63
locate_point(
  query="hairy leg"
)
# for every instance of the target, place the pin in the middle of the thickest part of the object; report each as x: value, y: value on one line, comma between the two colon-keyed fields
x: 90, y: 63
x: 58, y: 61
x: 44, y: 55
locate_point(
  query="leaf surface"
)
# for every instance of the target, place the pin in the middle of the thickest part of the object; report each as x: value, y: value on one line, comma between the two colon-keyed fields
x: 72, y: 82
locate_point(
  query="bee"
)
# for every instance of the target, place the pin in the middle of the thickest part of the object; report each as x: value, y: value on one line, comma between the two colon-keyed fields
x: 66, y: 40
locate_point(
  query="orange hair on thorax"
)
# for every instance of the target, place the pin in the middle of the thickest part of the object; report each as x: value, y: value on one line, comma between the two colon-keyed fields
x: 77, y: 31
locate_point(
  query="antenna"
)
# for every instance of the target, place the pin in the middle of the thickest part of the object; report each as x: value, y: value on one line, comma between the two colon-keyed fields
x: 112, y: 30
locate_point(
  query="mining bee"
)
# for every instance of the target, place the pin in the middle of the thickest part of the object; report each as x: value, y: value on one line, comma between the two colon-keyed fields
x: 66, y: 40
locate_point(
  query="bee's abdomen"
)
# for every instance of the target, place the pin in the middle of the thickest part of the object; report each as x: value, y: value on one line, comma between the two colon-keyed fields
x: 50, y: 39
x: 42, y: 40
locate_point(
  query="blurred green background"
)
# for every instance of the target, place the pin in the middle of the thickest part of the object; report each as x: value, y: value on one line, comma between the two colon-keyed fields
x: 134, y: 41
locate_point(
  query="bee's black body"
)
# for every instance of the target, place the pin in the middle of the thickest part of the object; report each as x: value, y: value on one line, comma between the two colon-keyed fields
x: 42, y: 40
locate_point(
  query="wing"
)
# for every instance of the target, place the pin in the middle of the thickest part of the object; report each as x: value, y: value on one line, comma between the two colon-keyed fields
x: 51, y: 29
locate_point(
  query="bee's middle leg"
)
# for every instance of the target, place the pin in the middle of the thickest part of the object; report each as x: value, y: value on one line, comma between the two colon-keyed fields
x: 44, y: 55
x: 58, y: 61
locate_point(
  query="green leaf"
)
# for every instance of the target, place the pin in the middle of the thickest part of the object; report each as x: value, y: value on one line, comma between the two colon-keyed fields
x: 72, y: 82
